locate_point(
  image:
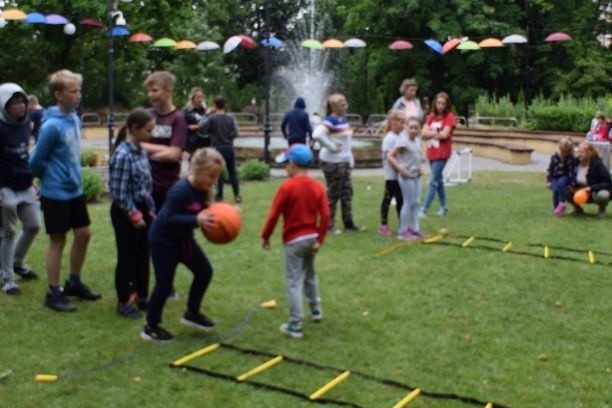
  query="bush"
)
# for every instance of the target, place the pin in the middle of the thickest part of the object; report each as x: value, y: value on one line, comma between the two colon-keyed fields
x: 254, y: 169
x: 93, y: 185
x: 89, y: 158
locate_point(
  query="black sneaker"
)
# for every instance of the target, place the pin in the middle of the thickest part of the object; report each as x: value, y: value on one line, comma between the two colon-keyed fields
x: 25, y: 272
x: 142, y: 304
x: 59, y: 302
x: 80, y: 290
x: 355, y: 228
x: 11, y: 288
x: 199, y: 321
x: 156, y: 333
x: 128, y: 310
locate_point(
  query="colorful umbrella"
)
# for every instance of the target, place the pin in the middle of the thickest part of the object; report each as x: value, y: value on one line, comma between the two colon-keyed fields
x: 118, y: 31
x: 514, y: 39
x: 185, y: 45
x: 400, y: 45
x: 450, y: 44
x: 35, y: 18
x: 313, y: 44
x: 13, y: 14
x: 274, y: 42
x: 140, y: 37
x: 332, y: 43
x: 164, y: 42
x: 207, y: 45
x: 231, y: 43
x: 92, y: 22
x: 354, y: 43
x: 247, y: 42
x: 558, y: 37
x: 56, y: 19
x: 468, y: 45
x: 434, y: 45
x: 490, y: 42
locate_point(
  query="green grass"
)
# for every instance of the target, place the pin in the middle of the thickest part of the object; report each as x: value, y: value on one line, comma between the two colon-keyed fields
x: 513, y: 327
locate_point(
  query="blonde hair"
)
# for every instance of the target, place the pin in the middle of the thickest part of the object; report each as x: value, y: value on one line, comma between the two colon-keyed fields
x: 333, y: 100
x: 59, y: 79
x: 406, y: 83
x: 393, y: 114
x: 205, y: 158
x: 164, y: 79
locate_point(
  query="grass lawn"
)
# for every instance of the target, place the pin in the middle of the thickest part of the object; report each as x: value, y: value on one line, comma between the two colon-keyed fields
x: 512, y: 327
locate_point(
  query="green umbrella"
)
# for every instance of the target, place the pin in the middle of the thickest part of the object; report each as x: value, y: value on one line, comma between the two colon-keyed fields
x: 164, y: 42
x: 468, y: 45
x: 314, y: 44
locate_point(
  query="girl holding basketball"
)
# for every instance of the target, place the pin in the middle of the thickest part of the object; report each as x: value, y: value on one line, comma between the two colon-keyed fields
x: 172, y: 241
x: 132, y: 211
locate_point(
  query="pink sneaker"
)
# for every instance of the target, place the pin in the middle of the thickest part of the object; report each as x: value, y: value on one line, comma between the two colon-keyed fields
x: 560, y: 209
x: 385, y: 230
x: 419, y: 234
x: 406, y: 236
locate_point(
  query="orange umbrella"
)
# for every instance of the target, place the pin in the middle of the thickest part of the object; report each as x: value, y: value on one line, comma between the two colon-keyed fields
x: 333, y: 43
x: 13, y: 14
x: 490, y: 42
x: 185, y: 45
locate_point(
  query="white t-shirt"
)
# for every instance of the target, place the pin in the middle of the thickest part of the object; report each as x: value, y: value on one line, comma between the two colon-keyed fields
x: 410, y: 155
x: 388, y: 143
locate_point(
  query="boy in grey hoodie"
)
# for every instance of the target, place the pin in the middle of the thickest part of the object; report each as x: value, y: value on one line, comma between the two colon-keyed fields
x: 18, y: 196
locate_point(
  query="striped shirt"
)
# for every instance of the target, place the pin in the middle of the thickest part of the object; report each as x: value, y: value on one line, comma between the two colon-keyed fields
x: 130, y: 179
x: 332, y: 133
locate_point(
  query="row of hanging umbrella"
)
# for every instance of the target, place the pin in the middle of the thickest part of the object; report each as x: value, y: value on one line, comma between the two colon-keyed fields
x: 467, y: 44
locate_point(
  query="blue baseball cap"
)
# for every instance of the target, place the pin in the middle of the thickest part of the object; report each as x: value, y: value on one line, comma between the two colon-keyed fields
x: 298, y: 153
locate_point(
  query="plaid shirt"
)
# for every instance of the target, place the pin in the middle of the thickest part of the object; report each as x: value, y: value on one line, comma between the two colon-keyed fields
x: 130, y: 179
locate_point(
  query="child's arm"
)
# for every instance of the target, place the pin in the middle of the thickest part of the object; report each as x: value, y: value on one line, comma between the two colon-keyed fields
x: 163, y: 153
x: 391, y: 157
x: 322, y: 135
x: 42, y: 150
x: 271, y: 219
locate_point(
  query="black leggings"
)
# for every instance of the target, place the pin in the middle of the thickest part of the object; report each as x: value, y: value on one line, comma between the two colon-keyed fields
x: 392, y: 189
x: 165, y: 258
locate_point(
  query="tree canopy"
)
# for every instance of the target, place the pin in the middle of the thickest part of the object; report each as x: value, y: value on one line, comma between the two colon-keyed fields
x: 369, y: 76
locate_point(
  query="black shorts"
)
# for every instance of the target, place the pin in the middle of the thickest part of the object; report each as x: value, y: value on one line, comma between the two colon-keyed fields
x: 63, y: 215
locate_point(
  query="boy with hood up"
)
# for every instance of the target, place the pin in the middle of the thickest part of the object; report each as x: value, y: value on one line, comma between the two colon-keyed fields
x: 296, y: 125
x: 18, y: 195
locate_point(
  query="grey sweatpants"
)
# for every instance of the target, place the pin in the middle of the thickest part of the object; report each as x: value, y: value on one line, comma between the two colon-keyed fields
x: 300, y: 276
x: 17, y: 205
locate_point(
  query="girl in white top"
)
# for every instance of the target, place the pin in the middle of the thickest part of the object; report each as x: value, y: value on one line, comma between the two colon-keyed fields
x: 395, y: 125
x: 408, y: 159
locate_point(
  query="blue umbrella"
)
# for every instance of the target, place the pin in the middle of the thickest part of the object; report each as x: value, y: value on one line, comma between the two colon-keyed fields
x: 274, y: 42
x: 35, y: 18
x: 434, y: 45
x: 118, y: 31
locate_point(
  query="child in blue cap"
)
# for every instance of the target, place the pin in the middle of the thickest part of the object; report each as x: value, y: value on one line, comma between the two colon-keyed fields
x: 302, y: 202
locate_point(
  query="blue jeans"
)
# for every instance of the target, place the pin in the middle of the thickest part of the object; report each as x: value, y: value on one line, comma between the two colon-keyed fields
x: 436, y: 184
x: 559, y: 188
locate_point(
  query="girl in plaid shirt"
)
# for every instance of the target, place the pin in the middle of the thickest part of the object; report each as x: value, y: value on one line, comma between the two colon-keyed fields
x: 132, y: 211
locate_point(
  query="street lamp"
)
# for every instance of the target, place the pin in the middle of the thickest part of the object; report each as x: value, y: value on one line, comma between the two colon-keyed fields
x: 267, y: 128
x: 115, y: 18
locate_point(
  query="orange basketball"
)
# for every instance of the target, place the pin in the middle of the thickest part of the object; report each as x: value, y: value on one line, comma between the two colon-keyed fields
x: 581, y: 197
x: 227, y: 223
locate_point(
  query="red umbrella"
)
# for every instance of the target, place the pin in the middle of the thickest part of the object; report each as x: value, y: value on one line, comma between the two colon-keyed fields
x: 400, y: 45
x: 450, y: 44
x: 140, y: 37
x: 247, y: 42
x: 92, y: 22
x: 558, y: 37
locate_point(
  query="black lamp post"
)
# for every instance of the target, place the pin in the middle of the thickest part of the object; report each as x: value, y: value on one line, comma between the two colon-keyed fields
x: 115, y: 18
x: 267, y: 129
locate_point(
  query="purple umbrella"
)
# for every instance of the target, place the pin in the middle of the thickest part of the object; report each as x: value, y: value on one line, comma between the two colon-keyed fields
x: 56, y: 19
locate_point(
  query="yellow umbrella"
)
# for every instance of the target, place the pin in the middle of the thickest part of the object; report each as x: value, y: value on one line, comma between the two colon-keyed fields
x: 490, y: 42
x: 185, y: 45
x: 333, y: 43
x: 13, y: 14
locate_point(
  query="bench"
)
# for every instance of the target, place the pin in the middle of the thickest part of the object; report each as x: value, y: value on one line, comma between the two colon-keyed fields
x: 506, y: 152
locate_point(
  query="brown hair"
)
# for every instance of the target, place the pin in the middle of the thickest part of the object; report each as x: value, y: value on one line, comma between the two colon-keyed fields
x: 589, y: 151
x: 203, y: 160
x: 566, y: 147
x: 443, y: 95
x: 137, y: 119
x: 164, y: 79
x: 59, y: 79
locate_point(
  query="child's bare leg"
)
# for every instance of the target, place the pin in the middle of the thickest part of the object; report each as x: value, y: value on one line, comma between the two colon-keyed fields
x: 53, y: 260
x: 79, y: 249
